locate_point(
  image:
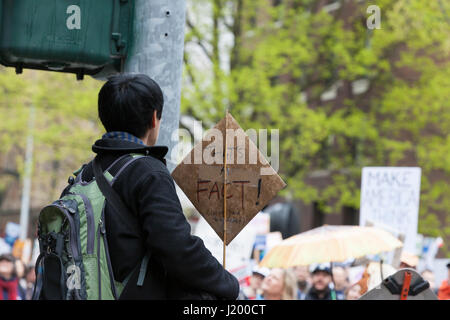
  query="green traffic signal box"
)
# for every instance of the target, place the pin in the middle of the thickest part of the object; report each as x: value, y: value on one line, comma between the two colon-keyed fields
x: 78, y: 36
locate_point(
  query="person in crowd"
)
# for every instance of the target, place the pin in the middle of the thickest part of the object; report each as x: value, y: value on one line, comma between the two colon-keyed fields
x: 303, y: 281
x: 256, y: 279
x: 20, y: 274
x: 353, y: 292
x: 364, y: 281
x: 321, y: 279
x: 340, y: 278
x: 280, y: 284
x: 444, y: 289
x: 428, y: 275
x: 9, y: 283
x: 30, y: 279
x: 408, y: 260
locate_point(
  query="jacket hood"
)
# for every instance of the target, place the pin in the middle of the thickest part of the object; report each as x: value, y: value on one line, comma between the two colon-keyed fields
x: 122, y: 146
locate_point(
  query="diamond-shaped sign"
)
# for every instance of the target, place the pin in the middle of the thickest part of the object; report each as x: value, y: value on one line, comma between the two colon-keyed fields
x: 251, y: 181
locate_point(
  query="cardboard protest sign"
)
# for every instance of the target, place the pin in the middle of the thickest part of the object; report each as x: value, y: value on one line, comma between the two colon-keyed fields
x: 390, y: 198
x: 251, y: 182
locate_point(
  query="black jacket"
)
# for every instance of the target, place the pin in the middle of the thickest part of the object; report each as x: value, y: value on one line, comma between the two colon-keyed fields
x: 180, y: 267
x: 313, y: 294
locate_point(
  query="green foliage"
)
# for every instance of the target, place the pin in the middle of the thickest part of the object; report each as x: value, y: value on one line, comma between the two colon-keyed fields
x: 283, y: 58
x: 65, y: 125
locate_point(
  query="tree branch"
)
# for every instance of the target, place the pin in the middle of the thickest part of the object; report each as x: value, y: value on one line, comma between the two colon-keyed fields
x: 10, y: 172
x: 199, y: 37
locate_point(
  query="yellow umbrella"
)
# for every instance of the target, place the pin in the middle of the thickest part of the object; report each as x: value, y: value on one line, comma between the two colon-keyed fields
x: 329, y: 244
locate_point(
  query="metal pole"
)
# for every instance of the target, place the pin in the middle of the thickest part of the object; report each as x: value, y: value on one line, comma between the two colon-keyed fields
x: 157, y: 50
x: 25, y: 203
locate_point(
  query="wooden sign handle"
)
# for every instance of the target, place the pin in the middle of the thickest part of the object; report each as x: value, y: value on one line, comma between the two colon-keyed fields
x: 225, y: 193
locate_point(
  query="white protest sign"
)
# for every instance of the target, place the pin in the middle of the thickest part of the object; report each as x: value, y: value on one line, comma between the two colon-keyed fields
x: 355, y: 274
x: 272, y: 239
x: 241, y: 273
x: 5, y: 248
x: 390, y: 198
x: 12, y: 230
x: 261, y: 223
x: 238, y: 251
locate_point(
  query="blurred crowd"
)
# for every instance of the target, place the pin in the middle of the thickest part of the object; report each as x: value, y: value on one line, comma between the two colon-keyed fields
x: 320, y: 282
x: 16, y: 279
x: 316, y: 282
x: 299, y: 283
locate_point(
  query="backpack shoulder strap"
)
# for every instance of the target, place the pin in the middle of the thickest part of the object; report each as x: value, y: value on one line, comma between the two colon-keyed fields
x: 117, y: 204
x: 105, y: 187
x: 105, y: 179
x: 117, y: 168
x: 142, y: 271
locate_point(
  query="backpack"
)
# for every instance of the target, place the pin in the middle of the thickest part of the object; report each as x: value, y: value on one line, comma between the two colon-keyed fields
x: 74, y: 261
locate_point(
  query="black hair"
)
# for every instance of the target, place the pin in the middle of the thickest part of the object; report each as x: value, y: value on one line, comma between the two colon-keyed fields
x: 126, y: 102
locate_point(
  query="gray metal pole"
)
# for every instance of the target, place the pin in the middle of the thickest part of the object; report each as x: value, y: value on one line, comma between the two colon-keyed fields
x: 25, y: 203
x: 157, y: 51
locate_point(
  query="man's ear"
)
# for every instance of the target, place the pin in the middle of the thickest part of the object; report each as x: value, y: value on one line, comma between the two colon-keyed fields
x: 153, y: 122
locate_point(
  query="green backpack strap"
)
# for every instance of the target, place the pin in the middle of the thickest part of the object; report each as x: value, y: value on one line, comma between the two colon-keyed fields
x: 142, y: 271
x: 111, y: 176
x: 134, y: 155
x: 116, y: 203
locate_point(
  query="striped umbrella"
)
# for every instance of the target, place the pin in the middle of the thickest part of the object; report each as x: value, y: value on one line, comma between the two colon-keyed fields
x: 329, y: 244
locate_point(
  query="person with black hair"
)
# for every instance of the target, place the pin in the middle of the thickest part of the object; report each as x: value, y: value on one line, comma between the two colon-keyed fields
x: 321, y: 280
x: 303, y: 281
x: 130, y: 107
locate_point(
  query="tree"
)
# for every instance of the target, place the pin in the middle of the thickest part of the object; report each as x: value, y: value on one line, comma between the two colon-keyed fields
x: 66, y: 125
x: 285, y: 57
